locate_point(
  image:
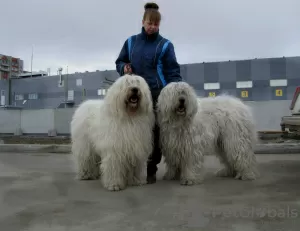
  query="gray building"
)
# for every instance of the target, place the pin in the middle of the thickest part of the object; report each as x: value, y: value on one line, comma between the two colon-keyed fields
x: 252, y: 80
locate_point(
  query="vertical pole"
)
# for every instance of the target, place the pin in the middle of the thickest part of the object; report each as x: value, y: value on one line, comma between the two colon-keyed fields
x: 31, y: 59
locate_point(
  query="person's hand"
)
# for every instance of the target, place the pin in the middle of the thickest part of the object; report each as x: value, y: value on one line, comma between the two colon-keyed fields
x: 127, y: 69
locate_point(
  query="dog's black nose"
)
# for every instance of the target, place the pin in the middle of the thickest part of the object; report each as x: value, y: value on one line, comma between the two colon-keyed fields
x: 135, y: 90
x: 181, y: 100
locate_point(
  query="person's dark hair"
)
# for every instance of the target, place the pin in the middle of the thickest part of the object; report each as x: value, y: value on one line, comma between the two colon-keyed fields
x: 151, y: 12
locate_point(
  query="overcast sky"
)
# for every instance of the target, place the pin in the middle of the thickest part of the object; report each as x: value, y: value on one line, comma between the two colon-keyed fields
x: 88, y: 35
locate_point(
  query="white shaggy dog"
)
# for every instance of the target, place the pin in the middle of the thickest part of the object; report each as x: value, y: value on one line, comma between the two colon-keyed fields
x: 112, y: 138
x: 191, y: 128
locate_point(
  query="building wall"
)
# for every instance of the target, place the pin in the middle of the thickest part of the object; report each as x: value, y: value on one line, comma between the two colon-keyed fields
x: 267, y: 115
x: 255, y: 81
x: 49, y: 92
x: 251, y: 80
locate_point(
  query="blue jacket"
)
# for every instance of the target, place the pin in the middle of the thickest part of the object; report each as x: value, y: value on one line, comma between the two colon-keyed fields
x: 152, y: 57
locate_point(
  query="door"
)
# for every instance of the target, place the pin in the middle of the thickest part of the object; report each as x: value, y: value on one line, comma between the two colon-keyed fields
x: 2, y: 97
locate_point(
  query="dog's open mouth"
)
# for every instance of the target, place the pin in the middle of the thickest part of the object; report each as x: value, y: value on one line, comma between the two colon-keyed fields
x: 133, y: 103
x: 133, y: 99
x: 180, y: 110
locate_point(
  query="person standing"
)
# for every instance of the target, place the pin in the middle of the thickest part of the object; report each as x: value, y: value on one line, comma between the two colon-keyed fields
x: 150, y: 55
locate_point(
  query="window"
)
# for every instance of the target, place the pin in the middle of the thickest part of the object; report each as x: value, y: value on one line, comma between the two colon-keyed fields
x: 32, y: 96
x: 244, y: 84
x: 278, y: 82
x: 78, y: 82
x: 102, y: 92
x: 19, y: 97
x: 211, y: 86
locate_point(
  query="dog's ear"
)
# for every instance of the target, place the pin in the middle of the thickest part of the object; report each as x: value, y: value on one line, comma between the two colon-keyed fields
x: 193, y: 102
x: 114, y: 99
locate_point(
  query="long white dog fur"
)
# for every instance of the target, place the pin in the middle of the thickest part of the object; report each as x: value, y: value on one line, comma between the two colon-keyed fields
x: 112, y: 138
x: 192, y: 128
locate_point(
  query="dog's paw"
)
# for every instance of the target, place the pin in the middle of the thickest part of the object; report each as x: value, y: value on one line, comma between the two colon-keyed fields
x: 224, y: 172
x: 114, y: 187
x: 246, y: 176
x: 187, y: 182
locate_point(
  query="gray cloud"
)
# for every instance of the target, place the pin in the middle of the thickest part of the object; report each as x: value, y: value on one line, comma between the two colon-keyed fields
x: 88, y: 35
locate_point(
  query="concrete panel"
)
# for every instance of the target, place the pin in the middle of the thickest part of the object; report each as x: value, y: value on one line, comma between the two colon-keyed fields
x: 260, y: 69
x: 37, y: 121
x: 195, y: 75
x: 212, y: 93
x: 62, y: 119
x: 183, y: 71
x: 244, y: 93
x: 211, y: 72
x: 293, y: 68
x: 277, y: 68
x: 268, y: 114
x: 227, y: 85
x: 227, y: 72
x: 200, y: 93
x: 260, y: 83
x: 279, y: 93
x: 10, y: 120
x: 261, y: 94
x: 294, y: 82
x: 232, y: 92
x: 290, y: 92
x: 243, y: 70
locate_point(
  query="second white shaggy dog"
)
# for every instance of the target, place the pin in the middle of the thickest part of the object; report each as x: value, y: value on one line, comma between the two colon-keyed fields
x: 191, y: 128
x: 112, y: 138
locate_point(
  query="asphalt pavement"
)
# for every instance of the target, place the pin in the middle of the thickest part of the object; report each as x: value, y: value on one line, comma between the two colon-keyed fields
x: 39, y: 192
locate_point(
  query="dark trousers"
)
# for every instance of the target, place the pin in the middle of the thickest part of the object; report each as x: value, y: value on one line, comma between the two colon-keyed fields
x: 155, y: 158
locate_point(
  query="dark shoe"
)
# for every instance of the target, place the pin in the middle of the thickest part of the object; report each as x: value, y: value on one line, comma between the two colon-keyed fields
x: 151, y: 179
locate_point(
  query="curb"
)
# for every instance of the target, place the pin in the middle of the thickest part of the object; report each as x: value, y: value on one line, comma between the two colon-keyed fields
x: 277, y: 148
x: 35, y: 148
x: 270, y: 148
